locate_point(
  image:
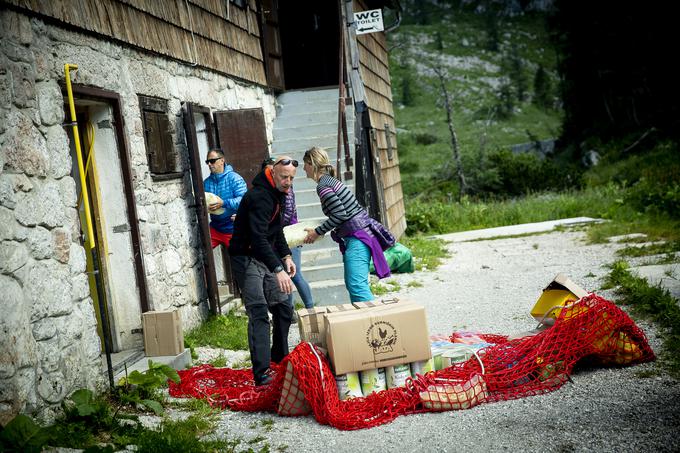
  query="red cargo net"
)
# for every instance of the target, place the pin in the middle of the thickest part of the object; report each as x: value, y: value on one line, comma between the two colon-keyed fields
x: 592, y: 330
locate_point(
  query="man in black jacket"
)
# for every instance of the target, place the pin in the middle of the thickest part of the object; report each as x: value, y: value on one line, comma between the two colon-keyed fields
x: 262, y: 265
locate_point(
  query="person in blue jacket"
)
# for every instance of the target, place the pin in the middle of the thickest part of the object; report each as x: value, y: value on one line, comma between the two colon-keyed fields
x: 230, y: 187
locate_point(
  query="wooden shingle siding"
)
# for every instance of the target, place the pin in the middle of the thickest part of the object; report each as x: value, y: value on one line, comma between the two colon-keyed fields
x: 372, y: 61
x: 206, y: 23
x: 374, y: 67
x: 229, y: 46
x: 376, y: 84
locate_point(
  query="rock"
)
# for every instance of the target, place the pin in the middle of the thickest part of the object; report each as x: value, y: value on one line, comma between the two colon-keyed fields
x: 50, y: 103
x: 24, y: 149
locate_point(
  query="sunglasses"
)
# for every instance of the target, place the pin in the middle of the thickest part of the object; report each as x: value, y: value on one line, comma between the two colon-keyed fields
x: 288, y: 162
x: 212, y: 161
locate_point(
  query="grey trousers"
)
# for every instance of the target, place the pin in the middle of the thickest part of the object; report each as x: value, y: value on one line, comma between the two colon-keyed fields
x: 261, y: 295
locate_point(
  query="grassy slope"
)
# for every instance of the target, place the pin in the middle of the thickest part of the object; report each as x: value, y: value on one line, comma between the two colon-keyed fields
x: 475, y: 75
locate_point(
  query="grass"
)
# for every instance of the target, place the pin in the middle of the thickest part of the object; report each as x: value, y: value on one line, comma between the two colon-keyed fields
x: 427, y: 252
x: 652, y: 249
x: 627, y: 221
x: 197, y: 405
x: 652, y: 302
x: 218, y: 362
x: 222, y: 331
x: 440, y: 217
x: 380, y: 289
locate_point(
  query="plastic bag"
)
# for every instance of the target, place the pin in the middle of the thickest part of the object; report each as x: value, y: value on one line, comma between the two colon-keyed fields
x: 399, y: 258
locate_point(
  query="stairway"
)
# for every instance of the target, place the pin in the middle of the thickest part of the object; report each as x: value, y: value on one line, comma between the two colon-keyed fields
x: 307, y: 118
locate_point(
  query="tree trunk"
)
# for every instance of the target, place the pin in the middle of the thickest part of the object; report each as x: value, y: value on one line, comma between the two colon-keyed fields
x: 462, y: 187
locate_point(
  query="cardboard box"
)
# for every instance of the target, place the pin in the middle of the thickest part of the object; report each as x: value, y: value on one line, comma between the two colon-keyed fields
x: 311, y: 322
x: 162, y: 333
x: 340, y: 308
x: 378, y: 337
x: 378, y: 303
x: 311, y: 326
x: 555, y: 296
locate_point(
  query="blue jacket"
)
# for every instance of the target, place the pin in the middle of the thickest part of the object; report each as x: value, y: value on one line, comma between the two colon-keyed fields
x: 230, y: 187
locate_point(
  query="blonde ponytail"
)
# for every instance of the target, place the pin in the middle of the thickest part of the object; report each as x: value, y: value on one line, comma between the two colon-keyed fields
x: 317, y: 158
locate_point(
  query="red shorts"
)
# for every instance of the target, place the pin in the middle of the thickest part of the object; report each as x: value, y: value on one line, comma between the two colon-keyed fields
x: 217, y: 238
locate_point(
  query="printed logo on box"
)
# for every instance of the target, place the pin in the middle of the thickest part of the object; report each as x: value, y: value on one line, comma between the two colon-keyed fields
x: 381, y: 337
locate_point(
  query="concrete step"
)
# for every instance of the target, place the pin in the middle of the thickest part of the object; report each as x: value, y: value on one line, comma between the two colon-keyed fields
x: 321, y: 256
x: 305, y: 195
x: 307, y: 118
x: 308, y: 96
x: 329, y: 292
x: 309, y: 210
x: 324, y: 114
x: 230, y: 304
x: 141, y: 364
x: 283, y: 110
x: 302, y: 130
x: 302, y: 183
x: 333, y: 271
x: 299, y: 145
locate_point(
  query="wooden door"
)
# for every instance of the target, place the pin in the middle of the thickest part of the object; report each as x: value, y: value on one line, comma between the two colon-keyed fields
x: 188, y: 111
x: 271, y: 43
x: 242, y: 136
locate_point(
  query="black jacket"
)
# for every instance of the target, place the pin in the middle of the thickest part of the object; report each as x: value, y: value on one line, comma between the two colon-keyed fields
x: 258, y: 229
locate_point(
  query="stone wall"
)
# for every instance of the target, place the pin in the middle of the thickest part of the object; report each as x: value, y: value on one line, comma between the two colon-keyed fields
x: 48, y: 341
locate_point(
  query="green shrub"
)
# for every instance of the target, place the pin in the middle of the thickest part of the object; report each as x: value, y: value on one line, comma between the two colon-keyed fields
x: 660, y: 163
x: 414, y: 185
x: 522, y: 173
x: 425, y: 138
x: 655, y: 198
x: 408, y: 167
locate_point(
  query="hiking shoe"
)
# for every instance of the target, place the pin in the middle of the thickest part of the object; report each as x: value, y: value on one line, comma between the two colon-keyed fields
x: 266, y: 378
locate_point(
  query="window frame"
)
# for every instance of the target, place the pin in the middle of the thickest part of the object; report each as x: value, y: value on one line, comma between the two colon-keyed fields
x: 155, y: 110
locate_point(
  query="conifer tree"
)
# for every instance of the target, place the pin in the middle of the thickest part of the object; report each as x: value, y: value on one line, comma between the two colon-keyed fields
x: 542, y: 89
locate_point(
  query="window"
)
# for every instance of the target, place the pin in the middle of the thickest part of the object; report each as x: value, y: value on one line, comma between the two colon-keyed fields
x: 240, y: 3
x: 160, y: 152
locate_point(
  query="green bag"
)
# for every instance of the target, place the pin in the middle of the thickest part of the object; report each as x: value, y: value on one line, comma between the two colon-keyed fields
x: 399, y: 258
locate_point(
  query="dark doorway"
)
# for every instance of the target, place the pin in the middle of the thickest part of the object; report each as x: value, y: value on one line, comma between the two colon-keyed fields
x: 310, y: 39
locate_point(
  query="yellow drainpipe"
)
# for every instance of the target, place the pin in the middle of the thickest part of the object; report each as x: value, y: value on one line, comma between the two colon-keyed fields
x: 88, y: 220
x: 79, y: 155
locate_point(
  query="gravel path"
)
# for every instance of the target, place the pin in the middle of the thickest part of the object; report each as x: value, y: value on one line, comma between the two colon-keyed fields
x: 490, y: 286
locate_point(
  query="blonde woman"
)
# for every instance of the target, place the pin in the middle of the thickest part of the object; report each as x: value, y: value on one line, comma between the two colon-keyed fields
x: 359, y: 236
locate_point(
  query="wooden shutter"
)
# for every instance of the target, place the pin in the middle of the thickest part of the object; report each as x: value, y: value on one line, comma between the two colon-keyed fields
x: 154, y: 142
x: 160, y: 151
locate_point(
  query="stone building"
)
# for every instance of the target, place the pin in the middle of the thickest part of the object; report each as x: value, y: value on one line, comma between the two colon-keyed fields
x: 157, y: 84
